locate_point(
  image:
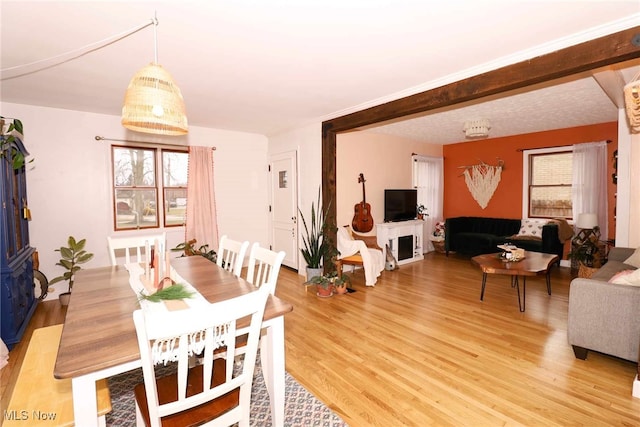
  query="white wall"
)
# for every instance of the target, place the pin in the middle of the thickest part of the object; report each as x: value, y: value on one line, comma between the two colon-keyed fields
x: 69, y: 185
x: 385, y: 162
x: 307, y: 141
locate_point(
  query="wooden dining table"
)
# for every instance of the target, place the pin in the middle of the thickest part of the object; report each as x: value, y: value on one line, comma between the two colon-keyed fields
x: 99, y: 337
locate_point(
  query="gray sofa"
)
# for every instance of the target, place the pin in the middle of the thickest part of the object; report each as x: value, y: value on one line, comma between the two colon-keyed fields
x: 605, y: 317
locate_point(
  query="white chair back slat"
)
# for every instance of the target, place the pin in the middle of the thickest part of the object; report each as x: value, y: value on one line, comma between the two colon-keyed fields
x: 231, y: 254
x: 134, y: 245
x: 200, y: 330
x: 264, y: 267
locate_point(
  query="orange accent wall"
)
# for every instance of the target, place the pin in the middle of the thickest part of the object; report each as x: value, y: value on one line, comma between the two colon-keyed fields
x: 507, y: 199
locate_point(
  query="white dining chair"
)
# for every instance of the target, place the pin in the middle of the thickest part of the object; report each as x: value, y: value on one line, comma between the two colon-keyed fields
x: 263, y: 270
x: 134, y: 247
x: 231, y: 254
x: 264, y: 267
x: 208, y: 392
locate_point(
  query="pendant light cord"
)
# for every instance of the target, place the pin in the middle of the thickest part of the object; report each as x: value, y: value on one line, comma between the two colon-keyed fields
x: 53, y: 61
x: 155, y: 38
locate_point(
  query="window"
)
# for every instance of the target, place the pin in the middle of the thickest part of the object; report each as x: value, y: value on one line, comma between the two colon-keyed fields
x: 549, y: 184
x: 144, y: 179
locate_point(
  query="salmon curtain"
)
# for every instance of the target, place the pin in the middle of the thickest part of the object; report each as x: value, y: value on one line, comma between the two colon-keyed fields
x: 202, y: 222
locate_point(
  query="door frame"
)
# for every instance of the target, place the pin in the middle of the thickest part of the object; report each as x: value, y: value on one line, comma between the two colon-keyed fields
x: 296, y: 196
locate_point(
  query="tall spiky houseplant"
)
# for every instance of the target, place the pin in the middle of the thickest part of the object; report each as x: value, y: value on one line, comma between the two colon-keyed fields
x: 316, y: 246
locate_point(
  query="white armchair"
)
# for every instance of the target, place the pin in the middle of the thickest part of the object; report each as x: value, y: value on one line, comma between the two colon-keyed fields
x: 356, y: 251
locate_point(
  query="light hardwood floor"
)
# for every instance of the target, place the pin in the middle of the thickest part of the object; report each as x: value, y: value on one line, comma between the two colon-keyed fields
x: 422, y: 349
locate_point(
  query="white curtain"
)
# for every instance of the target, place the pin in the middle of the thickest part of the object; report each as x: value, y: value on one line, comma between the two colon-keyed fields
x: 590, y: 182
x: 428, y: 179
x: 202, y: 222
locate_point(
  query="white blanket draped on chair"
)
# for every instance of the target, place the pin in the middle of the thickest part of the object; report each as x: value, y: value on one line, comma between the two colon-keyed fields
x: 372, y: 259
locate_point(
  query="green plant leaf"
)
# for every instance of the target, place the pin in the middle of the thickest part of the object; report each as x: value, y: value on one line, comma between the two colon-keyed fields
x: 85, y: 257
x: 66, y: 253
x: 17, y: 124
x: 173, y: 292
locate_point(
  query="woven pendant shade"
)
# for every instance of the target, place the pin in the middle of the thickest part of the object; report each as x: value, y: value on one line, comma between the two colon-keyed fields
x: 153, y: 103
x: 476, y: 128
x: 632, y: 103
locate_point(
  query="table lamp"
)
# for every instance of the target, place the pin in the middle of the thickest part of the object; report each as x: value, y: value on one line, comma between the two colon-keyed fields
x: 585, y: 243
x: 587, y: 221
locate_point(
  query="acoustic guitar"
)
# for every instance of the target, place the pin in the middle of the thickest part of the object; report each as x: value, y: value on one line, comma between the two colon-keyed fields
x: 362, y: 219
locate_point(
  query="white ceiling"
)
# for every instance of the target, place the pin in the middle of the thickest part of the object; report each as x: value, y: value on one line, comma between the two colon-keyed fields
x: 269, y: 66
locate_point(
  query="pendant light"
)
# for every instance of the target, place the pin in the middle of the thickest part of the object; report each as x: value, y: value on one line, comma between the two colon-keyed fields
x: 153, y: 102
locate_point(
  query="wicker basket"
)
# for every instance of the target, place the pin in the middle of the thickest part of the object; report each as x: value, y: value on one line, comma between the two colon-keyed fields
x: 585, y: 272
x: 439, y: 246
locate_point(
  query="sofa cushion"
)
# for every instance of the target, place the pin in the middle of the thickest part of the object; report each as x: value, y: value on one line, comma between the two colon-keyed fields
x: 531, y: 227
x: 610, y: 269
x: 626, y: 277
x: 634, y: 259
x: 476, y: 243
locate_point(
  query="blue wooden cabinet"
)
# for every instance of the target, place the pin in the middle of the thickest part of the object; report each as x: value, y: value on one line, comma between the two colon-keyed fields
x: 17, y: 299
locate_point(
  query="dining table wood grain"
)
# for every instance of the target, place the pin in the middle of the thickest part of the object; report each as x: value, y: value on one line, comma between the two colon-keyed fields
x: 99, y: 334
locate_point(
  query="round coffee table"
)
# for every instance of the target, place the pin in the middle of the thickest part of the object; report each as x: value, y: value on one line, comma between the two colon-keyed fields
x: 533, y: 264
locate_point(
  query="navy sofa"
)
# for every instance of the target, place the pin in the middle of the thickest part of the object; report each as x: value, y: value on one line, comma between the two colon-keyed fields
x: 475, y: 235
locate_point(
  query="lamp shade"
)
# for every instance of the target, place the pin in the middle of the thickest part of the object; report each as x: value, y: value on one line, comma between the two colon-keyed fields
x: 153, y: 103
x: 476, y: 128
x: 587, y: 220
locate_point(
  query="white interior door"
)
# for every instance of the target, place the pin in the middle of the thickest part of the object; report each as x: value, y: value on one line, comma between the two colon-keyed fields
x: 284, y: 206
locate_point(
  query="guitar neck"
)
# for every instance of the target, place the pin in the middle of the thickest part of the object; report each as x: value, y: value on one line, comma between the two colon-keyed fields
x: 364, y: 198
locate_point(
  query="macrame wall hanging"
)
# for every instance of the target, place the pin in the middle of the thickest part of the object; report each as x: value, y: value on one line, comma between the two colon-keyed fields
x: 482, y: 180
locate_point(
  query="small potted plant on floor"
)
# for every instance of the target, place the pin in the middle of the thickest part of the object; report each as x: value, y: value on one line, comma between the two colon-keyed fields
x: 340, y: 284
x: 72, y: 256
x: 324, y: 284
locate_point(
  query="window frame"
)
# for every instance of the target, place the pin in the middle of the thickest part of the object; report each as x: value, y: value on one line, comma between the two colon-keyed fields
x: 526, y: 175
x: 159, y: 187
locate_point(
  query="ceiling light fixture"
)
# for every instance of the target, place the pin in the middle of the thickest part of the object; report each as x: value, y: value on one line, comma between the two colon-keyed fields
x: 153, y: 102
x: 477, y: 128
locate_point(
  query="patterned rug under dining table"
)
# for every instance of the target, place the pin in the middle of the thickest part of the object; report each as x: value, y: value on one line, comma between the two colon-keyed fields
x: 99, y: 337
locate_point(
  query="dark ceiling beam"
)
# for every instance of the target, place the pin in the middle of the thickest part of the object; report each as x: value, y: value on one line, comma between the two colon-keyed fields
x: 572, y: 60
x: 607, y: 50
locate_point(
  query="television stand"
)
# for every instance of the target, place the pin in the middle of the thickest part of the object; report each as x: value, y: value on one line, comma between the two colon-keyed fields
x: 404, y: 239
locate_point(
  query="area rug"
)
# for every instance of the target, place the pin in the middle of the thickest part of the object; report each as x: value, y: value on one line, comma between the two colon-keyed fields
x: 301, y: 407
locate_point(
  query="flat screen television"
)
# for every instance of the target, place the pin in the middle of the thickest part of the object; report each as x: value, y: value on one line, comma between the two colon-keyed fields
x: 400, y: 205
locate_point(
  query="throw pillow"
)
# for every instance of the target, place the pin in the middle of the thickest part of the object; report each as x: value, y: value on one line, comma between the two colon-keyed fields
x: 634, y: 259
x: 626, y: 277
x: 531, y: 227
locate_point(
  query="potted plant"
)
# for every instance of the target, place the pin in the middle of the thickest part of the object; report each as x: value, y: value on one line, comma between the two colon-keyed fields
x: 421, y: 211
x: 72, y: 256
x: 341, y: 283
x: 316, y: 246
x: 324, y: 284
x: 7, y: 138
x: 189, y: 249
x: 585, y: 255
